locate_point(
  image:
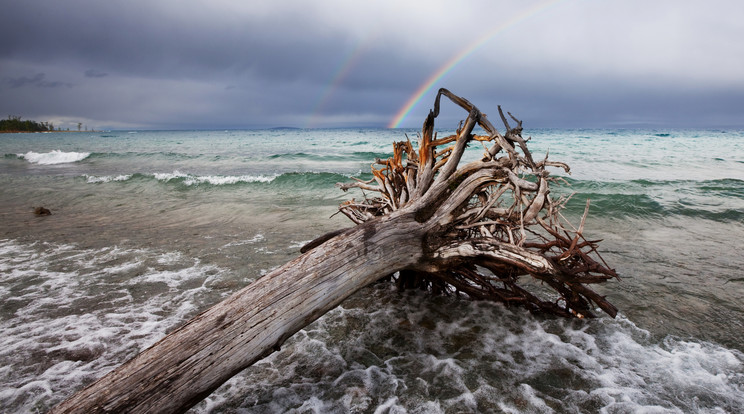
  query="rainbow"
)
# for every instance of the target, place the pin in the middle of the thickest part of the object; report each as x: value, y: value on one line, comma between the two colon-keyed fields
x: 460, y: 56
x: 346, y: 65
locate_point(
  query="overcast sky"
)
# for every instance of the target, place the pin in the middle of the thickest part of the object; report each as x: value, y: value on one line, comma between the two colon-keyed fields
x: 198, y: 64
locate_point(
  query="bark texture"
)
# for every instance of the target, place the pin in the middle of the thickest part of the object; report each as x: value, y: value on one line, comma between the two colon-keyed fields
x: 487, y: 223
x: 424, y: 221
x: 188, y: 364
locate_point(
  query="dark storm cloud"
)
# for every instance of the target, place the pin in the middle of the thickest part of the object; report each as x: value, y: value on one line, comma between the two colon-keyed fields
x: 22, y: 81
x: 92, y: 73
x: 37, y: 80
x: 192, y: 63
x: 136, y: 38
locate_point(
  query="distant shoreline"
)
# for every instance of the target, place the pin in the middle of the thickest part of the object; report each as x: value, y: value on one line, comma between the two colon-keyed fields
x: 42, y: 132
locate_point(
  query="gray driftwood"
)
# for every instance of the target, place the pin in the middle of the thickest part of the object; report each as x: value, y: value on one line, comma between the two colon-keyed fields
x: 425, y: 221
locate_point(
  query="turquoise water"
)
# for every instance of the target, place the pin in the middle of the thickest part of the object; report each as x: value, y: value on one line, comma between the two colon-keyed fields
x: 151, y: 227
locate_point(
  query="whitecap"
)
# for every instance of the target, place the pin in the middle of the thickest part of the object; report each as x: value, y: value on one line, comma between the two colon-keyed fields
x: 169, y: 176
x: 54, y: 157
x: 189, y: 179
x: 226, y: 180
x: 92, y: 179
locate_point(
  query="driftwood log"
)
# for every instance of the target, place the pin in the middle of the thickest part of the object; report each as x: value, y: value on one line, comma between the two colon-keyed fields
x: 489, y: 229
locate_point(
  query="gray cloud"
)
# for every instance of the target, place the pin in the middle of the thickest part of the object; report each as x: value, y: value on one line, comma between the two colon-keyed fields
x: 92, y: 73
x: 223, y: 63
x: 37, y: 80
x: 23, y: 81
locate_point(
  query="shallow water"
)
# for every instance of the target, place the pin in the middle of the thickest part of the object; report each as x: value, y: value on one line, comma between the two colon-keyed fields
x: 150, y: 228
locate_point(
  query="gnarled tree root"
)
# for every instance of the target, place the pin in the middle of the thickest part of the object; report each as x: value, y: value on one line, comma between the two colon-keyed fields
x: 480, y: 229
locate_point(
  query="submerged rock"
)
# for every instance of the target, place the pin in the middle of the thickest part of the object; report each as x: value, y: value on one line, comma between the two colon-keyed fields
x: 41, y: 211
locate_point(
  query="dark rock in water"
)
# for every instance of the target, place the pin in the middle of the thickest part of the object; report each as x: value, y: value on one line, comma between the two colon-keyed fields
x: 41, y: 211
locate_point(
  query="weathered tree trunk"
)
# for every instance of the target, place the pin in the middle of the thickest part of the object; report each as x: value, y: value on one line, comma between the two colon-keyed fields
x: 475, y: 230
x: 191, y: 362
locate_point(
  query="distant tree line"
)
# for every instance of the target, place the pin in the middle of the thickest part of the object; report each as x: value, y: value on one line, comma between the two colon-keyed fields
x: 15, y: 124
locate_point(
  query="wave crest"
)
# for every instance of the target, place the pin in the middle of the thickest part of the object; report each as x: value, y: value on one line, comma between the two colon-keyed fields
x: 54, y: 157
x: 189, y: 180
x: 92, y: 179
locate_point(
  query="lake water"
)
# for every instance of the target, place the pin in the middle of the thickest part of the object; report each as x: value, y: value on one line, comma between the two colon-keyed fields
x: 149, y: 228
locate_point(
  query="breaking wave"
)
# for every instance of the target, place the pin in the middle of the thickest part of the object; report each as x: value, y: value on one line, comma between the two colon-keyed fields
x: 54, y: 157
x: 298, y: 180
x: 716, y: 200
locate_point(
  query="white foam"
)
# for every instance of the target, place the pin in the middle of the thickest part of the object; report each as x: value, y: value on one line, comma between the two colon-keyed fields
x: 172, y: 278
x: 389, y: 406
x: 385, y: 351
x: 255, y: 239
x: 535, y: 403
x: 54, y: 157
x: 417, y: 355
x: 189, y: 179
x: 123, y: 268
x: 73, y: 314
x: 265, y: 250
x: 227, y: 180
x: 91, y: 179
x: 170, y: 258
x: 298, y: 244
x: 169, y: 176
